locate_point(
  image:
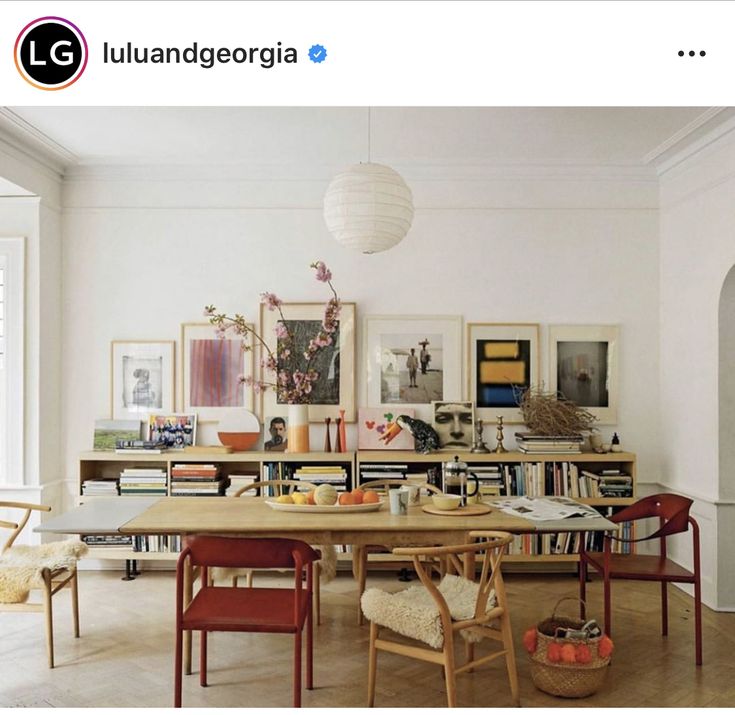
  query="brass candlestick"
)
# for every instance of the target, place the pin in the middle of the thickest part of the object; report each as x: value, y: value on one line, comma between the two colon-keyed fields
x: 479, y: 447
x: 499, y: 449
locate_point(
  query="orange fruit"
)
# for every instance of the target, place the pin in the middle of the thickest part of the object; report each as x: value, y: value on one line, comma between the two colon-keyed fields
x: 358, y: 495
x: 310, y: 497
x: 345, y: 499
x: 371, y: 498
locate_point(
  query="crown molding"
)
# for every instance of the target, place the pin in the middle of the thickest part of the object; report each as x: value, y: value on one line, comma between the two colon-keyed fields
x: 34, y: 144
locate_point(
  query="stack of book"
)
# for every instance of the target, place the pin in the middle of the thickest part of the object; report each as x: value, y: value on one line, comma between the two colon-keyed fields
x: 333, y: 474
x: 549, y: 444
x: 383, y: 471
x: 139, y: 446
x: 608, y: 484
x: 238, y: 481
x: 148, y: 481
x: 100, y: 487
x: 491, y: 479
x: 197, y: 480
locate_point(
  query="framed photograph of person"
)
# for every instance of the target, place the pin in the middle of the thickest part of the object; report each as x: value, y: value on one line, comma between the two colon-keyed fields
x: 141, y: 378
x: 275, y: 434
x: 335, y: 363
x: 412, y: 361
x: 211, y: 368
x: 583, y: 367
x: 454, y: 422
x: 176, y: 431
x: 503, y: 361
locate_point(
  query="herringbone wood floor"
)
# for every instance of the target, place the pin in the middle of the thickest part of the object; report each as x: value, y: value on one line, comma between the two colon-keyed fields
x: 125, y: 655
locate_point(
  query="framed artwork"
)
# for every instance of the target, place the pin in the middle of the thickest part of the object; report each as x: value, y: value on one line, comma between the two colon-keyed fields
x: 412, y: 361
x: 454, y: 422
x: 503, y: 360
x: 335, y: 388
x: 176, y: 431
x: 142, y: 378
x: 275, y: 434
x: 373, y: 423
x: 210, y: 372
x: 107, y: 432
x: 583, y: 367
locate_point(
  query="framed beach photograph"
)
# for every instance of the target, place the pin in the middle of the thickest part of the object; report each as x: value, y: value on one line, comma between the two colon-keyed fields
x: 503, y: 361
x: 175, y: 431
x: 583, y: 367
x: 210, y: 372
x: 412, y: 360
x: 335, y: 363
x: 141, y: 378
x: 454, y: 422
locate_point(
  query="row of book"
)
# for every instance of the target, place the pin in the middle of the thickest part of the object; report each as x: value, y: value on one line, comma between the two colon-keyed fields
x: 157, y: 544
x: 566, y: 543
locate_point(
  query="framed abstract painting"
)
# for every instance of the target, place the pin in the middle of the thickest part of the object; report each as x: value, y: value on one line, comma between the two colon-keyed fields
x: 335, y: 363
x: 583, y: 367
x: 210, y: 372
x: 503, y: 361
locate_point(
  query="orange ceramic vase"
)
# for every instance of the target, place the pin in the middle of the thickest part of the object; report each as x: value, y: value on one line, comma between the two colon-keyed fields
x: 298, y: 428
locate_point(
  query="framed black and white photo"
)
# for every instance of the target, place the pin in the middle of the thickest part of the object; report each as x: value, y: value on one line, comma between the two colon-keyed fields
x: 142, y: 378
x: 335, y: 363
x: 583, y: 367
x: 503, y: 361
x: 412, y: 361
x: 454, y: 422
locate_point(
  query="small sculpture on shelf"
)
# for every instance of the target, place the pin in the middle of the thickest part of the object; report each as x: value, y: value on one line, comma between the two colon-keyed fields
x: 479, y: 447
x: 425, y: 437
x: 338, y: 439
x: 499, y: 448
x: 327, y: 440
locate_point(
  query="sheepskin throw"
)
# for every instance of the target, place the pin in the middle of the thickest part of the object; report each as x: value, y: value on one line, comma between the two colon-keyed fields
x: 21, y: 566
x: 327, y: 564
x: 414, y: 613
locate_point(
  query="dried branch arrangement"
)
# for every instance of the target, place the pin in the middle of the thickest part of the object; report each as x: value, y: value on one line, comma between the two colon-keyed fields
x: 545, y: 414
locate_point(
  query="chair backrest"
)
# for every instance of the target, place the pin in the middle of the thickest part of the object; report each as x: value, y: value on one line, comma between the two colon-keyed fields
x: 16, y: 528
x: 672, y: 511
x: 246, y: 553
x: 281, y: 486
x: 383, y: 485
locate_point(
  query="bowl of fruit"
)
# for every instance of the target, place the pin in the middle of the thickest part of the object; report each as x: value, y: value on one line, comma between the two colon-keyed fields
x: 325, y: 499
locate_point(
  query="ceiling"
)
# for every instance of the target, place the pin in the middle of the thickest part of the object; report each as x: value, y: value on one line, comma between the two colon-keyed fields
x: 495, y: 136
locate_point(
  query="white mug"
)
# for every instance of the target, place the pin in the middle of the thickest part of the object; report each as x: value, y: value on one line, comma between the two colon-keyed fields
x: 412, y: 492
x: 398, y: 502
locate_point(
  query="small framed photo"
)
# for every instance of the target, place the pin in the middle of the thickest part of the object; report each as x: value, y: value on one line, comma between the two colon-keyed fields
x: 275, y: 434
x: 412, y: 361
x: 454, y: 422
x: 211, y: 370
x: 142, y: 378
x: 374, y: 423
x: 583, y: 367
x: 175, y: 431
x: 503, y: 361
x: 108, y: 432
x: 335, y: 363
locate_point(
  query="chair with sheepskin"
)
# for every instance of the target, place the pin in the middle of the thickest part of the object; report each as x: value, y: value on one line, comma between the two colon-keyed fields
x: 434, y: 614
x: 325, y: 569
x: 48, y: 567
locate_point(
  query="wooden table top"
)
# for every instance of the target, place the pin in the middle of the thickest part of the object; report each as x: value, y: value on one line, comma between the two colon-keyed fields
x: 252, y: 517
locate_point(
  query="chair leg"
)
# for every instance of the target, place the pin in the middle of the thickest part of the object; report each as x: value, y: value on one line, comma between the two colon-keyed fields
x: 664, y: 609
x: 203, y: 658
x: 47, y: 586
x: 318, y: 593
x: 469, y: 652
x: 698, y: 621
x: 361, y: 579
x: 297, y: 670
x: 582, y: 588
x: 75, y: 602
x: 510, y: 658
x: 178, y: 664
x: 449, y: 676
x: 372, y: 664
x: 310, y: 649
x: 188, y: 595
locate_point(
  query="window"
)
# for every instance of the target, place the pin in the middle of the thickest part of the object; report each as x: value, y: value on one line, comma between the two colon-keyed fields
x: 11, y: 360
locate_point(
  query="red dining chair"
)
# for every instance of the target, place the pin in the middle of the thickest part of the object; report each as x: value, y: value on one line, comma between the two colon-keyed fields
x: 672, y: 512
x: 253, y: 610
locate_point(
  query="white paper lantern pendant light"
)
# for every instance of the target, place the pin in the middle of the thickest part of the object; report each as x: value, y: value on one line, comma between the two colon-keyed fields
x: 368, y: 206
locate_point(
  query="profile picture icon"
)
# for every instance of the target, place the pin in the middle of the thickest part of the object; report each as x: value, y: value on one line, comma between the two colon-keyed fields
x: 51, y: 53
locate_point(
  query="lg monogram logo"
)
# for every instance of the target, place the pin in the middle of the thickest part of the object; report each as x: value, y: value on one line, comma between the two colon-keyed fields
x: 51, y: 53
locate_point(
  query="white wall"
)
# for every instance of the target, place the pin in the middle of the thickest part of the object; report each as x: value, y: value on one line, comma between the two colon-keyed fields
x: 697, y: 252
x: 145, y: 251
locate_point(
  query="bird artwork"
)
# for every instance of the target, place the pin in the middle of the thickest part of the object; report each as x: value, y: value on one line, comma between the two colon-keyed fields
x: 425, y: 437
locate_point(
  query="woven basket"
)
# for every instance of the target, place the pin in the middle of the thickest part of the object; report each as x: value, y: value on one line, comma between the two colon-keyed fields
x: 567, y: 680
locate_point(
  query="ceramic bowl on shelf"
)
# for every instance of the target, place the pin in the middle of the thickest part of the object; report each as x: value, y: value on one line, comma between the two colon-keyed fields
x: 241, y: 430
x: 446, y: 502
